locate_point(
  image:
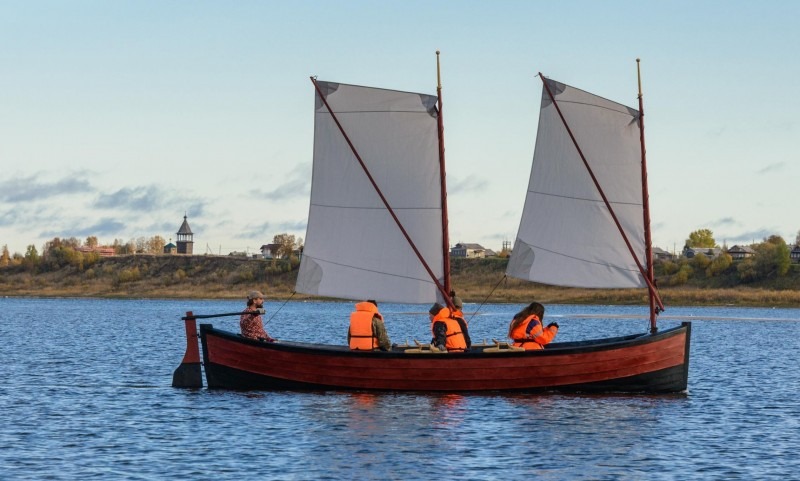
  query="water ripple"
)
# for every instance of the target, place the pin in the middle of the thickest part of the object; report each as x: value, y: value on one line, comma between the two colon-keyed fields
x: 89, y: 397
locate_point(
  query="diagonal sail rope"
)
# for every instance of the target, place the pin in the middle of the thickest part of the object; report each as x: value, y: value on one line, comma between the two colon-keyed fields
x: 487, y: 297
x: 279, y: 309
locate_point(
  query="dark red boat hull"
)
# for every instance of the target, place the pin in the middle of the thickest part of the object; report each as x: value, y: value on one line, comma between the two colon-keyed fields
x: 652, y: 363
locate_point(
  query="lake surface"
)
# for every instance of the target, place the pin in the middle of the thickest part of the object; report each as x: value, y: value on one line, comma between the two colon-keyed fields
x: 85, y: 393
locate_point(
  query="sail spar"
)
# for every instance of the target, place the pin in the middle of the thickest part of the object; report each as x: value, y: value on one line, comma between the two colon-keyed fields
x: 354, y: 248
x: 567, y: 235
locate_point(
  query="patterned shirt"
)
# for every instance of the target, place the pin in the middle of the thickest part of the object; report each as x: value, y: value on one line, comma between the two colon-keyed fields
x: 252, y: 326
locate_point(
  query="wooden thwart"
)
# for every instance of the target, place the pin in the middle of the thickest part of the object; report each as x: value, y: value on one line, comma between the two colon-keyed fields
x: 494, y: 348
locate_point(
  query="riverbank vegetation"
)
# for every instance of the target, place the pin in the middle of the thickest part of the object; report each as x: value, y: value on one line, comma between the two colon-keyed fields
x: 766, y: 279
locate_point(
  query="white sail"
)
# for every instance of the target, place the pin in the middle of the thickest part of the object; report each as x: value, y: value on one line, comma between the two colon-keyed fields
x: 353, y: 247
x: 567, y: 236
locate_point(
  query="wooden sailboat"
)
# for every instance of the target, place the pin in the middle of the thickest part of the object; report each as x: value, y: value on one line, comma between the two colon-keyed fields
x: 377, y: 229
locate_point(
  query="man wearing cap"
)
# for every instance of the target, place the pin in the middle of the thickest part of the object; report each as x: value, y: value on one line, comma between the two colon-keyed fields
x: 447, y: 335
x: 250, y: 321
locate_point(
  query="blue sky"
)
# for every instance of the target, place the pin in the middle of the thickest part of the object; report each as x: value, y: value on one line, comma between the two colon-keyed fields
x: 118, y: 117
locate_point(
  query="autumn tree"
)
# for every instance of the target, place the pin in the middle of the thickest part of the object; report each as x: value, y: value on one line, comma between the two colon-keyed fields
x: 771, y: 259
x: 701, y: 238
x: 141, y: 244
x: 286, y: 244
x: 91, y: 241
x: 720, y: 264
x: 155, y: 244
x: 54, y: 243
x: 700, y: 262
x: 121, y: 247
x: 5, y: 257
x: 31, y: 259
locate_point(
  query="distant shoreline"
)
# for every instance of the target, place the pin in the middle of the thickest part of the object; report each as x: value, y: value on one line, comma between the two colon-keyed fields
x: 230, y: 278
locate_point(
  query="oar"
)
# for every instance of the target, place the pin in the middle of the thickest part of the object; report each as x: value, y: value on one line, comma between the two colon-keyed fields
x: 208, y: 316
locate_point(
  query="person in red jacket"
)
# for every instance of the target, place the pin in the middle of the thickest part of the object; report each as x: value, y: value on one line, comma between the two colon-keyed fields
x: 526, y: 328
x: 367, y: 331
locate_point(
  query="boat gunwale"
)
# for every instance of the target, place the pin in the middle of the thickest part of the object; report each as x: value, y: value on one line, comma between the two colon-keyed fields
x: 572, y: 347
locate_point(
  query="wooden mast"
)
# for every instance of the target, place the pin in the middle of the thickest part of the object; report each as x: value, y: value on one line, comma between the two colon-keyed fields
x: 445, y: 229
x: 648, y: 242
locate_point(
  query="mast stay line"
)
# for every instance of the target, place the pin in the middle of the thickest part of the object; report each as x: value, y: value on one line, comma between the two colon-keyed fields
x: 649, y: 282
x: 413, y: 246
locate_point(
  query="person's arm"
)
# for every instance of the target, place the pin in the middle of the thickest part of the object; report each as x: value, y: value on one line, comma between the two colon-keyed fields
x: 464, y: 331
x: 379, y: 328
x: 548, y: 334
x: 440, y: 334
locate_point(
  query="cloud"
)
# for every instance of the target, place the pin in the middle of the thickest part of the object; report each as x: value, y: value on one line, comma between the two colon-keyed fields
x: 291, y: 189
x: 297, y: 184
x: 471, y: 184
x: 751, y: 236
x: 776, y: 167
x: 23, y: 189
x: 292, y: 226
x: 104, y: 227
x: 256, y: 231
x: 151, y: 198
x: 723, y: 222
x: 136, y: 198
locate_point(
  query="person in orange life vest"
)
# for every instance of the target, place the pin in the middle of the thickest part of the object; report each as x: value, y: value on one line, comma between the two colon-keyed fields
x: 526, y: 328
x: 447, y: 335
x: 458, y: 315
x: 367, y: 331
x: 250, y: 321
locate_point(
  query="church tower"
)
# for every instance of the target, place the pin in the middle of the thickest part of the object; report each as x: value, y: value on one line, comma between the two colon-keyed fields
x: 185, y: 235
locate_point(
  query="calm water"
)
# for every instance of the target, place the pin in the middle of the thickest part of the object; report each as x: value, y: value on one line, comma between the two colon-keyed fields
x: 85, y: 393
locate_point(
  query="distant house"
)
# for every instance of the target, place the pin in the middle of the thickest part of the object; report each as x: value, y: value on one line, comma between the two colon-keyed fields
x: 741, y: 252
x: 662, y: 255
x: 795, y: 253
x: 170, y: 248
x: 101, y: 251
x: 710, y: 252
x: 470, y: 251
x: 270, y: 251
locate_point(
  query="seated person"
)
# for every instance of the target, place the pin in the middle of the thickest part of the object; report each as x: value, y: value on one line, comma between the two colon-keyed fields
x: 250, y: 321
x: 367, y: 331
x: 526, y: 328
x: 447, y: 335
x: 458, y: 315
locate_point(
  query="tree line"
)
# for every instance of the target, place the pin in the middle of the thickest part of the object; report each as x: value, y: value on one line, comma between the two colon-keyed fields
x: 771, y: 259
x: 60, y: 252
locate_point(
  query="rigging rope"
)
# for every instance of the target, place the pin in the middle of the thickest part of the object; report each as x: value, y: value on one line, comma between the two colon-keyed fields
x: 279, y: 309
x: 487, y: 297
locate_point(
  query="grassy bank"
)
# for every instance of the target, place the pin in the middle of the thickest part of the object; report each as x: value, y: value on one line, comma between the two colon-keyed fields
x: 210, y: 277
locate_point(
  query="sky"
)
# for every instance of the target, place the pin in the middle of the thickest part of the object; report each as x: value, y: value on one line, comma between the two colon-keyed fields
x: 119, y: 118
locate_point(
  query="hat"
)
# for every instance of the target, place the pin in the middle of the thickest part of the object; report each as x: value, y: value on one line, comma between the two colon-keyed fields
x: 457, y: 302
x: 436, y: 308
x: 373, y: 301
x: 254, y: 295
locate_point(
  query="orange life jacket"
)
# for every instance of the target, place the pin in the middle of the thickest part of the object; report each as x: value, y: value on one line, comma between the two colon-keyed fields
x: 455, y: 338
x: 538, y: 336
x: 362, y: 338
